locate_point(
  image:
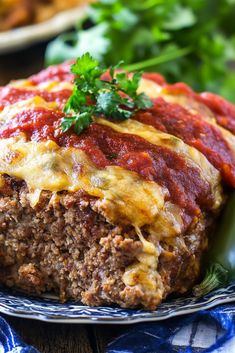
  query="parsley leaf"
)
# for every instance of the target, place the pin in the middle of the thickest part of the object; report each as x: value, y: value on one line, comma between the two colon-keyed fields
x: 129, y: 86
x: 116, y: 99
x: 86, y: 66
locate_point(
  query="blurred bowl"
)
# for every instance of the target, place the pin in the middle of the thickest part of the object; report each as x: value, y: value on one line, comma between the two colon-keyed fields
x: 22, y: 37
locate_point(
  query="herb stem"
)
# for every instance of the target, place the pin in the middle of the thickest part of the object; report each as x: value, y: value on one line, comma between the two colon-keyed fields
x: 146, y: 5
x: 159, y: 59
x: 216, y: 276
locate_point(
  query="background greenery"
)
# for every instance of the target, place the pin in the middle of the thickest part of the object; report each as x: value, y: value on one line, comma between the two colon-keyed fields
x: 189, y: 40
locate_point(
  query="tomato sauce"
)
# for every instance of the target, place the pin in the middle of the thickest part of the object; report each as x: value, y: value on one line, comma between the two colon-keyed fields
x: 37, y: 124
x: 107, y: 147
x: 152, y: 76
x: 176, y: 120
x: 10, y: 95
x: 224, y: 111
x: 155, y: 77
x: 54, y: 73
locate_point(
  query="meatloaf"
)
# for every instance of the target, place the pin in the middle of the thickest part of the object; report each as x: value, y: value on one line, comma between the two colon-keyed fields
x: 122, y: 213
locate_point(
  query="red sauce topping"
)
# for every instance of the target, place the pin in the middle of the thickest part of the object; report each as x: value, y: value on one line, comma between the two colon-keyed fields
x: 38, y: 124
x: 107, y: 147
x: 54, y: 73
x: 152, y: 76
x: 223, y: 110
x: 10, y: 95
x: 155, y: 77
x: 180, y: 88
x: 62, y: 73
x: 192, y: 129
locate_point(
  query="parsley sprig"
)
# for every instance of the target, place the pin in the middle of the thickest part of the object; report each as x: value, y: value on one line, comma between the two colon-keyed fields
x: 116, y: 99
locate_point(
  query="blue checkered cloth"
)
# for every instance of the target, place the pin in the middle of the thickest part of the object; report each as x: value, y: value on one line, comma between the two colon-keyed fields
x: 203, y: 332
x: 208, y: 331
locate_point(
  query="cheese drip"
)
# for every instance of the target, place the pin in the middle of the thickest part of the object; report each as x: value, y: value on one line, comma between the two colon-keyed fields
x: 143, y: 272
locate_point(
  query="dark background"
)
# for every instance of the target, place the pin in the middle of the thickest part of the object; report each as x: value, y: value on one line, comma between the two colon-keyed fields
x: 22, y: 63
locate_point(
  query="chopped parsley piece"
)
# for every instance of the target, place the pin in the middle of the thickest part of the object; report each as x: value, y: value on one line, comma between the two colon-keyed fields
x: 116, y: 99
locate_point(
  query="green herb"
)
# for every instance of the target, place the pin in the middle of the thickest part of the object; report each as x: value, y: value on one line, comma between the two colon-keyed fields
x: 220, y: 260
x: 116, y: 99
x: 185, y: 40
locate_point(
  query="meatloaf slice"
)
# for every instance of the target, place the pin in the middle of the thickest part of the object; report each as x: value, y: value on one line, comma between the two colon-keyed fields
x: 63, y: 245
x: 119, y: 214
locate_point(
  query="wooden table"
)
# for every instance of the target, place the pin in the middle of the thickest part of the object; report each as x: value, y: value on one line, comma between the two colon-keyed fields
x: 65, y: 338
x: 47, y: 337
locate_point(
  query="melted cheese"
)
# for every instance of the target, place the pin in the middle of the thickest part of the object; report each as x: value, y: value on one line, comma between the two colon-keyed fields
x: 50, y: 86
x: 46, y: 166
x: 150, y: 88
x: 144, y: 271
x: 191, y: 154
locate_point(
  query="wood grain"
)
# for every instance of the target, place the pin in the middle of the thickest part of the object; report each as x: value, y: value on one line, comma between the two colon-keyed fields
x: 65, y: 338
x: 53, y: 338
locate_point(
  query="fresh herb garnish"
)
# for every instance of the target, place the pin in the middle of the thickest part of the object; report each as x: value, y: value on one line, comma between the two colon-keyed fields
x: 116, y: 99
x: 191, y: 40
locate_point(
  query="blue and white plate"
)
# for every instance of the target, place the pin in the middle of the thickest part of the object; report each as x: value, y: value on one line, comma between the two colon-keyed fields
x: 51, y: 310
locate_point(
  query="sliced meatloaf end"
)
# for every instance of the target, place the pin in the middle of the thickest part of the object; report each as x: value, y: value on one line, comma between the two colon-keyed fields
x: 63, y: 245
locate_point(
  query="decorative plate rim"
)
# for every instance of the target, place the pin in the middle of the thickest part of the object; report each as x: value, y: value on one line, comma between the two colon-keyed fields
x: 21, y: 37
x: 50, y: 310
